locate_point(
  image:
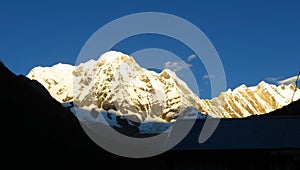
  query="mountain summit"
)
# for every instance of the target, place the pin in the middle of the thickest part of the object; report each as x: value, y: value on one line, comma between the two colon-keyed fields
x: 115, y: 82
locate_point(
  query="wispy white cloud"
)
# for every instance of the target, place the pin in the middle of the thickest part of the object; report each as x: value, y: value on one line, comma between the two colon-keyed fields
x: 288, y: 80
x: 177, y: 66
x: 280, y: 80
x: 191, y: 57
x: 273, y: 79
x: 206, y: 76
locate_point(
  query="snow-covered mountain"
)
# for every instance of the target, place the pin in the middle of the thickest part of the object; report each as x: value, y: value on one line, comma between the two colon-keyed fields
x: 115, y: 82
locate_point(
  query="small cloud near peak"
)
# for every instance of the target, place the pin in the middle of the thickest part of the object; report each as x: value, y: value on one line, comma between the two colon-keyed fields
x: 191, y: 57
x: 176, y: 66
x: 288, y: 80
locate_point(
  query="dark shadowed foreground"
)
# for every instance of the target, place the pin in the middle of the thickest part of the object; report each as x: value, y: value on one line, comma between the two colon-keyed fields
x: 38, y: 133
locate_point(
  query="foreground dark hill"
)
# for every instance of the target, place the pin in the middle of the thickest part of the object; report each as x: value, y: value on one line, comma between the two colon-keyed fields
x: 38, y: 133
x: 37, y: 129
x: 291, y: 109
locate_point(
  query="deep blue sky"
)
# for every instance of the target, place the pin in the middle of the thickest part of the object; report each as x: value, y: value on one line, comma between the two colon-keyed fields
x: 254, y: 39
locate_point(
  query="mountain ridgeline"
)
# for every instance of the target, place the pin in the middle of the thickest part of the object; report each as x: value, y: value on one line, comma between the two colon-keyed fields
x: 116, y: 82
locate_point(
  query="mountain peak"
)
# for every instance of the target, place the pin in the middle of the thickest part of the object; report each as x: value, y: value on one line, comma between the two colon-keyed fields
x: 264, y: 84
x: 114, y: 55
x: 115, y: 81
x: 242, y: 87
x: 116, y: 58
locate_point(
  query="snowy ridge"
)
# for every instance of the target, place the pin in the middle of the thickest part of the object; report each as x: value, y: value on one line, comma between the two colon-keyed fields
x: 116, y: 83
x: 246, y: 101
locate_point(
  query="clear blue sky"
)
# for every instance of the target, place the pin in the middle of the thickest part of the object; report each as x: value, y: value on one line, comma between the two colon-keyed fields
x: 254, y: 39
